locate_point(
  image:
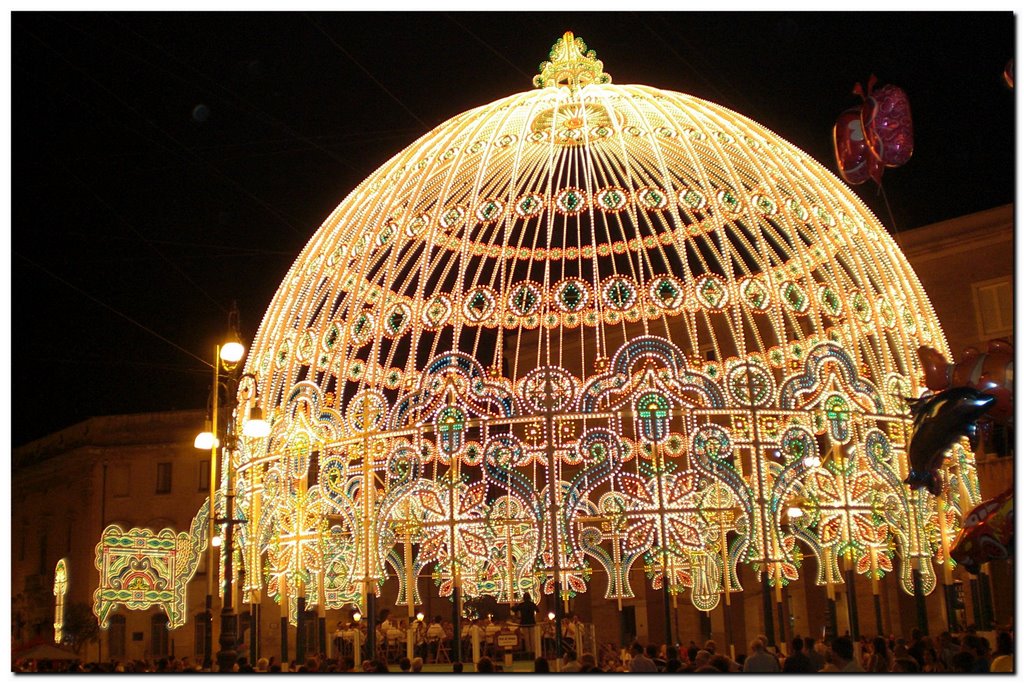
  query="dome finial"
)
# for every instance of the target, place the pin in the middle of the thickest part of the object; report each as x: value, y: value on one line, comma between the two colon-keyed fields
x: 572, y: 66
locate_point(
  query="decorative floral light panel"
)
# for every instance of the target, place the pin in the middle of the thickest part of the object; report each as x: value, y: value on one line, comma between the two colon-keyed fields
x: 140, y: 568
x: 587, y: 329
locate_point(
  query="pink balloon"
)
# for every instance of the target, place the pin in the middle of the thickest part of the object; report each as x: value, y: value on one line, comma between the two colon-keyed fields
x: 888, y: 126
x: 850, y: 147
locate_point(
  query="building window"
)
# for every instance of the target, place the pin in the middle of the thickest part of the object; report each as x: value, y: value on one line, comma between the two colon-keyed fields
x: 120, y: 479
x: 115, y: 636
x: 158, y: 635
x: 43, y: 542
x: 200, y: 639
x: 993, y: 304
x: 163, y: 477
x: 204, y: 475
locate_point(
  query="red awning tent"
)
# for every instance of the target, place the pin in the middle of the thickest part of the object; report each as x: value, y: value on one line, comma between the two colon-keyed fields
x: 46, y: 651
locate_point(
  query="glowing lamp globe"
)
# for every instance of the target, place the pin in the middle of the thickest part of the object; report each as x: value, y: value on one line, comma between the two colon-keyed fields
x: 232, y: 352
x: 638, y: 299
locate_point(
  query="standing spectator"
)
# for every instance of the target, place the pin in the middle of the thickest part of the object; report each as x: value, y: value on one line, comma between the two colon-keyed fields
x: 963, y: 662
x: 842, y: 656
x: 797, y: 661
x: 569, y: 663
x: 484, y: 665
x: 817, y: 659
x: 652, y: 654
x: 759, y: 661
x: 880, y: 659
x: 588, y: 664
x: 946, y: 648
x: 639, y: 663
x: 916, y: 647
x: 980, y: 649
x: 540, y: 665
x: 1002, y: 659
x: 527, y: 610
x: 932, y: 664
x: 404, y: 664
x: 417, y: 664
x: 721, y: 663
x: 672, y: 661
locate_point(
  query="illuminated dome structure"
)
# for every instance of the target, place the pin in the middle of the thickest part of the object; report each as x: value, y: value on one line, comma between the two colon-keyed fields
x: 582, y: 330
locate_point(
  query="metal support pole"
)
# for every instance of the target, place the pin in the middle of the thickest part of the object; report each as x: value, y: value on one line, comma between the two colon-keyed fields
x: 668, y: 611
x: 922, y: 608
x: 371, y: 623
x: 300, y: 630
x: 208, y: 635
x: 284, y: 636
x: 949, y: 593
x: 851, y: 604
x: 254, y: 632
x: 766, y: 603
x: 456, y: 623
x: 782, y: 622
x: 879, y: 627
x: 228, y: 621
x: 705, y: 627
x: 985, y: 586
x: 831, y: 627
x: 558, y: 620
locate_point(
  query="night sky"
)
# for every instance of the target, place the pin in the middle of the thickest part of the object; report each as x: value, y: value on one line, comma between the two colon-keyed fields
x: 164, y: 165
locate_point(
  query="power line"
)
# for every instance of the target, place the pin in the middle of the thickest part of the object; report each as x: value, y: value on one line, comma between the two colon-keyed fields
x: 111, y: 308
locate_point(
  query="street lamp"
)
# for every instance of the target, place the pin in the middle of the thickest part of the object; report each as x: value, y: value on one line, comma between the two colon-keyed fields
x: 227, y: 358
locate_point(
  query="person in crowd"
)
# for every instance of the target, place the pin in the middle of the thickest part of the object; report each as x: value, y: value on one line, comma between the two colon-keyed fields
x: 759, y: 661
x: 484, y: 665
x: 417, y: 664
x: 588, y: 663
x: 797, y: 661
x: 946, y: 648
x: 916, y: 646
x: 1002, y: 658
x: 652, y: 654
x: 721, y: 663
x: 527, y: 611
x: 880, y: 659
x: 672, y: 661
x: 569, y: 663
x: 404, y: 664
x: 963, y: 662
x: 932, y: 663
x: 843, y: 657
x: 707, y: 669
x: 540, y: 665
x: 813, y: 654
x: 980, y: 649
x: 905, y: 665
x: 639, y: 663
x: 262, y: 665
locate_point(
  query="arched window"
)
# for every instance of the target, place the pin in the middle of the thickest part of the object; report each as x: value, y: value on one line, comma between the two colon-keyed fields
x: 115, y: 636
x: 199, y: 649
x: 158, y: 635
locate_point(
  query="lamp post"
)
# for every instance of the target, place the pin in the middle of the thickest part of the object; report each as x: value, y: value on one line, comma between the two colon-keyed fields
x: 227, y: 358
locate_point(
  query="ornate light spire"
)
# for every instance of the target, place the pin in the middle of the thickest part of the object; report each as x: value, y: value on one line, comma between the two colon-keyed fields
x: 572, y: 66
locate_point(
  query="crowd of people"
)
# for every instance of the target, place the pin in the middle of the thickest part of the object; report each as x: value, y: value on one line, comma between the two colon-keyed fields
x: 967, y: 652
